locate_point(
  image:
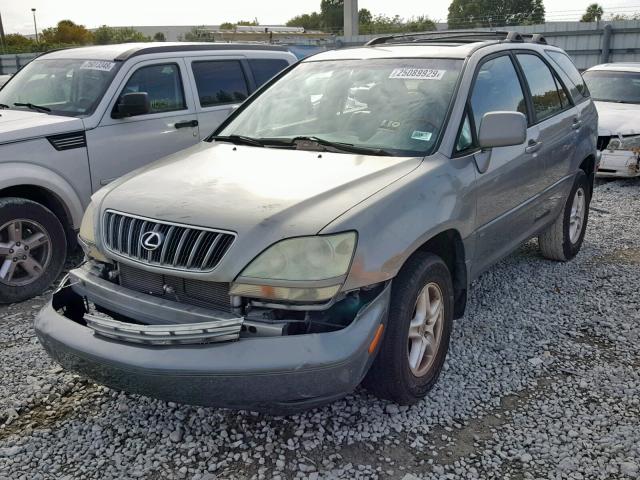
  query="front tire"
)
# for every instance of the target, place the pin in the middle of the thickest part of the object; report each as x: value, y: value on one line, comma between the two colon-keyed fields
x: 416, y: 337
x: 33, y: 249
x: 563, y: 239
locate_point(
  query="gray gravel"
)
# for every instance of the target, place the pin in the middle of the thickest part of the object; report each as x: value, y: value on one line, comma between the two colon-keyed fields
x: 542, y: 381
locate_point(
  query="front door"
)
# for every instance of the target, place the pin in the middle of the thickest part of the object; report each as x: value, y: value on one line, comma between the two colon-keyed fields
x: 119, y: 145
x: 505, y: 190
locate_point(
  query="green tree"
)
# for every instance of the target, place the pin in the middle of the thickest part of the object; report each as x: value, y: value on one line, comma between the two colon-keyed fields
x: 106, y: 35
x: 494, y: 13
x: 16, y: 43
x: 332, y: 15
x: 159, y: 37
x: 308, y: 21
x: 67, y: 32
x: 365, y: 17
x: 421, y: 23
x: 593, y: 14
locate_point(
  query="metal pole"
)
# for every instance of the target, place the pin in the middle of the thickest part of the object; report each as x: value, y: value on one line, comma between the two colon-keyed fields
x: 35, y: 25
x: 606, y: 43
x: 2, y: 40
x: 350, y: 18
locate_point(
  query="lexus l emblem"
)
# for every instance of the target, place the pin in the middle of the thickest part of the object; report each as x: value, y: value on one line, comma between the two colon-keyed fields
x: 151, y: 240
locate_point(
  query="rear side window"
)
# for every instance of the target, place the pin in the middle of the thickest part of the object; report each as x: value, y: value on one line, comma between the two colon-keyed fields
x: 264, y: 69
x: 579, y: 87
x: 162, y: 83
x: 220, y: 82
x: 547, y: 95
x: 497, y: 88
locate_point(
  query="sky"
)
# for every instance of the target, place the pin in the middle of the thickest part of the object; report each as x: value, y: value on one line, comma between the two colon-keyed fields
x: 17, y: 15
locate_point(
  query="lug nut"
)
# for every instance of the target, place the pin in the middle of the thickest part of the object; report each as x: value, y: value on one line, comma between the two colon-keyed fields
x: 24, y: 257
x: 26, y: 247
x: 11, y: 250
x: 15, y: 259
x: 17, y: 244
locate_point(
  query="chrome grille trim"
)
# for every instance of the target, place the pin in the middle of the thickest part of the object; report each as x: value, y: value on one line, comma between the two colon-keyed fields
x: 175, y: 334
x: 184, y: 248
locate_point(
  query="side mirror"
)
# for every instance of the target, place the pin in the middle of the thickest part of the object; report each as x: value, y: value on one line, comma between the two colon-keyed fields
x: 502, y: 129
x: 130, y: 104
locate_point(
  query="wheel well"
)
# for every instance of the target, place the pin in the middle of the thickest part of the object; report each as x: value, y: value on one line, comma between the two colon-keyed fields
x: 588, y: 165
x: 448, y: 246
x: 46, y: 198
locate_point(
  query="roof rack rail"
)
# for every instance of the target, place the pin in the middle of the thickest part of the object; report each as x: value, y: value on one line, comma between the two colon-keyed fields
x: 457, y: 36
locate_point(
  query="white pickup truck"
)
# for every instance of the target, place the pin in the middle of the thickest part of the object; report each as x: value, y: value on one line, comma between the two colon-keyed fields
x: 73, y: 120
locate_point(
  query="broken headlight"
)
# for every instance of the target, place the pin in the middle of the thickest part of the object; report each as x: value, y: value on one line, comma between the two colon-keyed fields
x: 87, y: 236
x: 302, y: 269
x: 631, y: 143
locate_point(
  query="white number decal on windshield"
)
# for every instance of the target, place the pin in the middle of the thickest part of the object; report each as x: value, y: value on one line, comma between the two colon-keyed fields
x: 409, y: 73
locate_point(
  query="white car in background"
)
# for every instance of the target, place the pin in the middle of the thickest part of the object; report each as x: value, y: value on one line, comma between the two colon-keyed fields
x: 615, y: 88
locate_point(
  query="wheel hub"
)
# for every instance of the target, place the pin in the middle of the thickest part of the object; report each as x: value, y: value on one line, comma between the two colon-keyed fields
x: 25, y: 252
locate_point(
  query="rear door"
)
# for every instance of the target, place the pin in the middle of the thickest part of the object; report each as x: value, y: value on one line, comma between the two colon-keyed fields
x: 119, y: 145
x: 221, y: 84
x: 556, y: 121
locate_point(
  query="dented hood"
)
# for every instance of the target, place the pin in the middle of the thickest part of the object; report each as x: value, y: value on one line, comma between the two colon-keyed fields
x: 16, y: 125
x: 618, y: 118
x: 262, y: 194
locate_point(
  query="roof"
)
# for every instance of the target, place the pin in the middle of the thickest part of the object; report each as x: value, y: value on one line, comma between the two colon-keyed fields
x: 617, y: 67
x: 123, y: 51
x: 443, y: 50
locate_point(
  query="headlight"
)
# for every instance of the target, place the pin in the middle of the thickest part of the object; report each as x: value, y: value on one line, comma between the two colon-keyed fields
x: 87, y: 236
x: 631, y: 143
x: 299, y: 269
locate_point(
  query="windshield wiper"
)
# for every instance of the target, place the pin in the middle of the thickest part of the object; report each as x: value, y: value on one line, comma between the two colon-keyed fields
x: 4, y: 106
x: 238, y: 140
x: 340, y: 146
x: 33, y: 107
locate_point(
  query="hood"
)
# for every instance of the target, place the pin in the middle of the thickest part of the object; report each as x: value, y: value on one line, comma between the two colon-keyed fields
x: 618, y: 118
x: 262, y: 194
x: 22, y: 125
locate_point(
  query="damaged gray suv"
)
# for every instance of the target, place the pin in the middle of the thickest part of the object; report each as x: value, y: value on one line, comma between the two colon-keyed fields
x: 327, y: 233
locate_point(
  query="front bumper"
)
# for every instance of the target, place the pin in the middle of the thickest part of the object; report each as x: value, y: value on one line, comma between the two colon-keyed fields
x: 619, y: 163
x: 282, y: 374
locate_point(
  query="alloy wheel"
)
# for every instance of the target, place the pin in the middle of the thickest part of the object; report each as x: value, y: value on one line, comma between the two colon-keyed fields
x: 576, y: 219
x: 25, y: 252
x: 425, y: 329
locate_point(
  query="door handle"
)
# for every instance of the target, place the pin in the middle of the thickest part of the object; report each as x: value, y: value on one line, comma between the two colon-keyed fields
x: 577, y: 123
x: 533, y: 146
x: 186, y: 124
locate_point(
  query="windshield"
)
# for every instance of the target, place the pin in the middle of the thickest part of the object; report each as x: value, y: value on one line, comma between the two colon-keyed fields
x: 398, y: 105
x: 611, y: 86
x: 65, y: 86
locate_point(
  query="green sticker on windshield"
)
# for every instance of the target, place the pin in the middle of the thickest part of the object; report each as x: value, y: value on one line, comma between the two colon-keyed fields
x: 418, y: 135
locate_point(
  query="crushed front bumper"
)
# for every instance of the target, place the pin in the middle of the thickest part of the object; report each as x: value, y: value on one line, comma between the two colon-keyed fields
x: 281, y: 374
x: 619, y: 163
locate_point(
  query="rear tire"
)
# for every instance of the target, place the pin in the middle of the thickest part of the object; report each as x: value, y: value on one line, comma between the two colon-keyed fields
x: 397, y: 373
x: 33, y: 249
x: 563, y: 239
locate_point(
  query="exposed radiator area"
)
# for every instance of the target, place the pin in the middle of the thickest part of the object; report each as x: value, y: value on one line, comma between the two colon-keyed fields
x: 191, y: 292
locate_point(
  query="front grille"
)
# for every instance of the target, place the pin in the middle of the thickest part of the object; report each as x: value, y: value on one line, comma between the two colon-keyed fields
x: 181, y: 247
x: 183, y: 290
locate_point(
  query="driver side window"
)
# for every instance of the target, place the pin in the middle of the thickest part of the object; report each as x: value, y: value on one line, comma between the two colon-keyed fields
x: 162, y: 83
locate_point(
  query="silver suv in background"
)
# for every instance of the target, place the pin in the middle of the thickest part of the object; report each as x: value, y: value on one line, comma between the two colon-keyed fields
x: 615, y: 88
x: 303, y: 249
x: 73, y: 120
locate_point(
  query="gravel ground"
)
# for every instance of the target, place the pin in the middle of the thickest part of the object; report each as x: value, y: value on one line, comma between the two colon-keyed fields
x: 542, y: 381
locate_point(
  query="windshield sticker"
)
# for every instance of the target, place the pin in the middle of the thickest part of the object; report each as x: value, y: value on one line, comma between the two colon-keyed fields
x: 423, y: 136
x: 409, y: 73
x: 103, y: 66
x: 389, y: 125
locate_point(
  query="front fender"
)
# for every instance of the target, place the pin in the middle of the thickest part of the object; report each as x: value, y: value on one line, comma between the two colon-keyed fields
x: 14, y: 174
